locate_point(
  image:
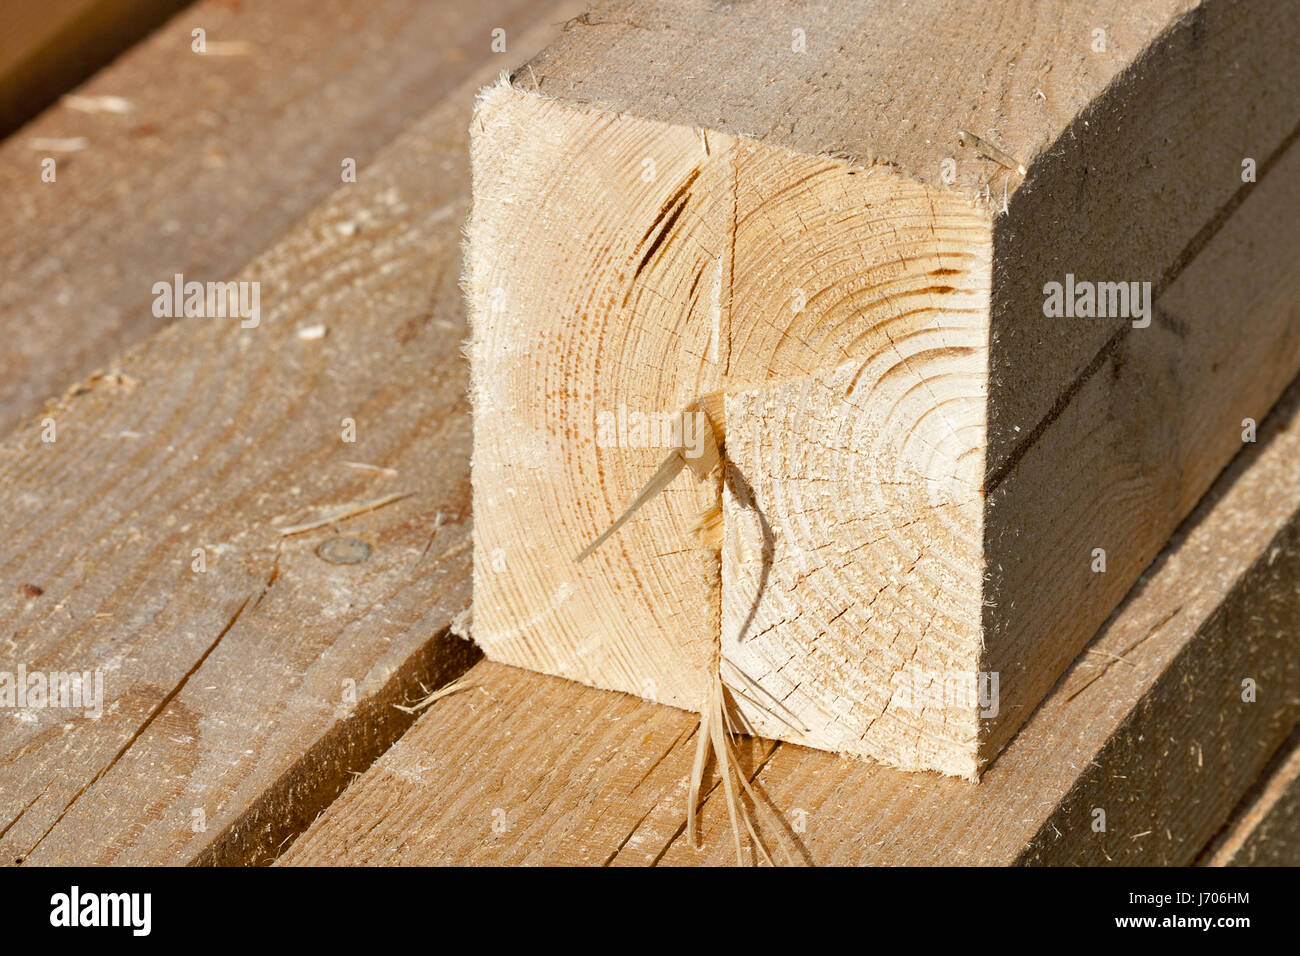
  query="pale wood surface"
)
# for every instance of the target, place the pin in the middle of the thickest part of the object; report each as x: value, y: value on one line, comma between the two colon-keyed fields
x: 218, y: 156
x: 225, y: 690
x: 607, y: 622
x: 1265, y: 831
x: 879, y: 81
x: 922, y: 464
x: 1148, y: 725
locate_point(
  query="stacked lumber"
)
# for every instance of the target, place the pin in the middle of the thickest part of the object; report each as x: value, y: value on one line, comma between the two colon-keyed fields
x: 150, y: 183
x: 47, y: 47
x: 1265, y: 831
x: 265, y: 539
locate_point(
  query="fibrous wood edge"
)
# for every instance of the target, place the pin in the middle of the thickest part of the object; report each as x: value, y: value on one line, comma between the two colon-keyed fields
x: 1006, y: 587
x: 238, y: 699
x: 1265, y: 830
x: 1152, y: 726
x: 194, y: 163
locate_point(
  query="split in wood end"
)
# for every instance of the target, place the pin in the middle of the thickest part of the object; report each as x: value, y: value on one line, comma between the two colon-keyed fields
x: 702, y: 464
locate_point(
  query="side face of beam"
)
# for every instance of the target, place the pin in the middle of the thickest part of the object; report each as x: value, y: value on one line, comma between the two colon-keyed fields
x: 1266, y: 830
x: 865, y: 80
x: 1152, y: 412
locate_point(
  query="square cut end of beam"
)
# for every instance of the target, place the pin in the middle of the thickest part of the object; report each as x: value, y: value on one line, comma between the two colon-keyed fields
x: 834, y: 320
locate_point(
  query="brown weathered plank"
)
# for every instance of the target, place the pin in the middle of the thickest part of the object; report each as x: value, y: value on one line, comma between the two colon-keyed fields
x: 1148, y: 725
x: 227, y: 720
x: 1265, y: 830
x: 217, y: 157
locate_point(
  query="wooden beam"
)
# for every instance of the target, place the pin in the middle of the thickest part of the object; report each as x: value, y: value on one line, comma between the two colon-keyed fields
x: 1162, y: 724
x: 1265, y: 830
x: 841, y: 226
x: 216, y: 156
x: 254, y: 589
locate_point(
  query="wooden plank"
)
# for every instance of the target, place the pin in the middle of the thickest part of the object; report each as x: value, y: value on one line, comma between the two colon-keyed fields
x: 238, y: 698
x: 933, y: 482
x: 218, y: 155
x: 520, y: 768
x: 1151, y: 726
x: 48, y: 47
x: 1265, y: 830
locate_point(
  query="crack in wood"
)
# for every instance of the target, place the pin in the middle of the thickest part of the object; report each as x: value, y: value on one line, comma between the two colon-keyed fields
x: 158, y: 709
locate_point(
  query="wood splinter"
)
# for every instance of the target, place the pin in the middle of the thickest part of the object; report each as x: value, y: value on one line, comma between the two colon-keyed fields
x: 989, y: 151
x: 717, y: 728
